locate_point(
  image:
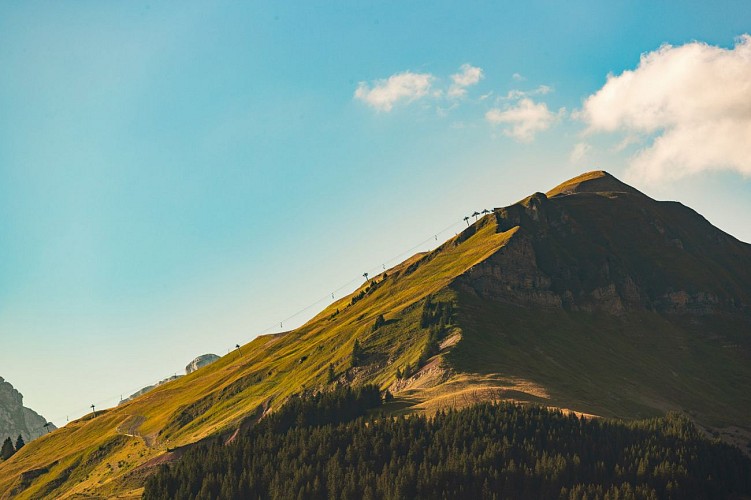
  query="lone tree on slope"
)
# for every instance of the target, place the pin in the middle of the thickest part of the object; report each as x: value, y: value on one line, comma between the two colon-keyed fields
x: 20, y: 443
x: 7, y: 450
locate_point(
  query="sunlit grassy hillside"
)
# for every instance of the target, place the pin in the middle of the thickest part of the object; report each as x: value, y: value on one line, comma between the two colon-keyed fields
x: 592, y: 298
x: 105, y: 455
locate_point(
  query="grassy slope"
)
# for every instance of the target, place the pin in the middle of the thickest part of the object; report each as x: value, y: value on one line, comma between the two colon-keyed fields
x: 637, y: 365
x: 634, y: 365
x: 94, y: 456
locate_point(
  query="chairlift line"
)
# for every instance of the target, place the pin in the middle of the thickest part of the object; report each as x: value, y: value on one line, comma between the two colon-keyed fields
x: 366, y: 275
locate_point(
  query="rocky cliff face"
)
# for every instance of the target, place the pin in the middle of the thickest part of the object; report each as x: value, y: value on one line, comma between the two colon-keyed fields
x: 575, y: 251
x: 200, y: 362
x: 15, y: 418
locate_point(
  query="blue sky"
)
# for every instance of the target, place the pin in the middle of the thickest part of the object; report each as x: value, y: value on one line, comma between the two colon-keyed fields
x: 177, y: 177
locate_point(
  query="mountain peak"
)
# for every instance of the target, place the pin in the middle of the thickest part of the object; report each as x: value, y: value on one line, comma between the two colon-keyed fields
x: 596, y: 181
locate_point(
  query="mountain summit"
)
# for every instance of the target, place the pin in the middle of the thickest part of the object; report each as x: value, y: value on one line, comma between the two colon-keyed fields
x: 597, y: 181
x: 15, y: 418
x: 593, y: 298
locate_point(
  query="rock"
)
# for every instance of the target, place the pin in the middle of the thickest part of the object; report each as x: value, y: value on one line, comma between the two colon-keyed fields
x: 200, y: 362
x: 148, y: 388
x: 16, y: 419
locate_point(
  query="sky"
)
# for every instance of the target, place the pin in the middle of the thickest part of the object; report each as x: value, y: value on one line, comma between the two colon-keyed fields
x: 178, y: 177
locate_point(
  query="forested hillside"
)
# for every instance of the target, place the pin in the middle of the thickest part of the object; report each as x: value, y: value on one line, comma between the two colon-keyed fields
x: 486, y: 451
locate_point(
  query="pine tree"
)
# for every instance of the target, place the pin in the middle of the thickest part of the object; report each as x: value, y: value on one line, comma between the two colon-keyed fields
x: 7, y: 451
x: 356, y: 353
x: 379, y: 322
x: 20, y: 443
x: 331, y: 374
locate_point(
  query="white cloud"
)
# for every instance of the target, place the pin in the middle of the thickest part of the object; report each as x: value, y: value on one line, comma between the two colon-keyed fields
x: 525, y: 119
x: 579, y: 152
x: 468, y: 76
x: 517, y: 77
x: 543, y: 89
x: 693, y: 100
x: 516, y: 93
x: 383, y: 94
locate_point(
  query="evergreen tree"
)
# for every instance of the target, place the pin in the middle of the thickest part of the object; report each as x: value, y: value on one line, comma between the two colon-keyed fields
x: 20, y: 443
x: 379, y: 322
x: 356, y: 353
x: 7, y: 450
x: 322, y: 446
x: 330, y: 374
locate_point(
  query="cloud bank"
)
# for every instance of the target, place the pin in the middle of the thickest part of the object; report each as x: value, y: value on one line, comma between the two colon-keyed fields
x: 691, y: 104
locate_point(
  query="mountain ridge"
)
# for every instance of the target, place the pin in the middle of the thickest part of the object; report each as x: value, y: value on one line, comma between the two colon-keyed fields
x: 592, y: 298
x: 16, y: 419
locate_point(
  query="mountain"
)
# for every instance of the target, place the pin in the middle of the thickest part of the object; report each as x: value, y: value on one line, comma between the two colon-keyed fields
x: 200, y: 362
x: 15, y: 418
x: 148, y: 388
x: 593, y: 298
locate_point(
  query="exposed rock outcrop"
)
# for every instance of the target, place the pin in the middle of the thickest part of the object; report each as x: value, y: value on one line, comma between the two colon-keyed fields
x: 573, y: 249
x: 200, y: 362
x: 15, y: 418
x: 148, y: 388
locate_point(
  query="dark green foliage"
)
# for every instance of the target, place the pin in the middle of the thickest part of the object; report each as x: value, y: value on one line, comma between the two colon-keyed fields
x: 357, y: 353
x: 436, y: 317
x: 486, y: 451
x: 431, y: 348
x: 340, y: 405
x: 20, y: 442
x: 379, y: 322
x: 7, y: 450
x: 330, y: 374
x: 358, y: 297
x: 436, y: 314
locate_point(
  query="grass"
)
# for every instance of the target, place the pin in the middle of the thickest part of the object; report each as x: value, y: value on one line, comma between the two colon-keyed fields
x: 635, y: 366
x: 217, y: 398
x: 637, y: 363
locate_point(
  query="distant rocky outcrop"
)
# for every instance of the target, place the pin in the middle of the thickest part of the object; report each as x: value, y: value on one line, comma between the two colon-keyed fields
x: 148, y: 388
x: 200, y: 362
x: 15, y: 418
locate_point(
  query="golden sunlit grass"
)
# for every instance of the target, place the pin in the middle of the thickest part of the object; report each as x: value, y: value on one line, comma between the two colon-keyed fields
x: 262, y: 374
x: 623, y: 363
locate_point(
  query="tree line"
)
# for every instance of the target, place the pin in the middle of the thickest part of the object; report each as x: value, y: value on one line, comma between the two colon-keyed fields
x: 503, y: 450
